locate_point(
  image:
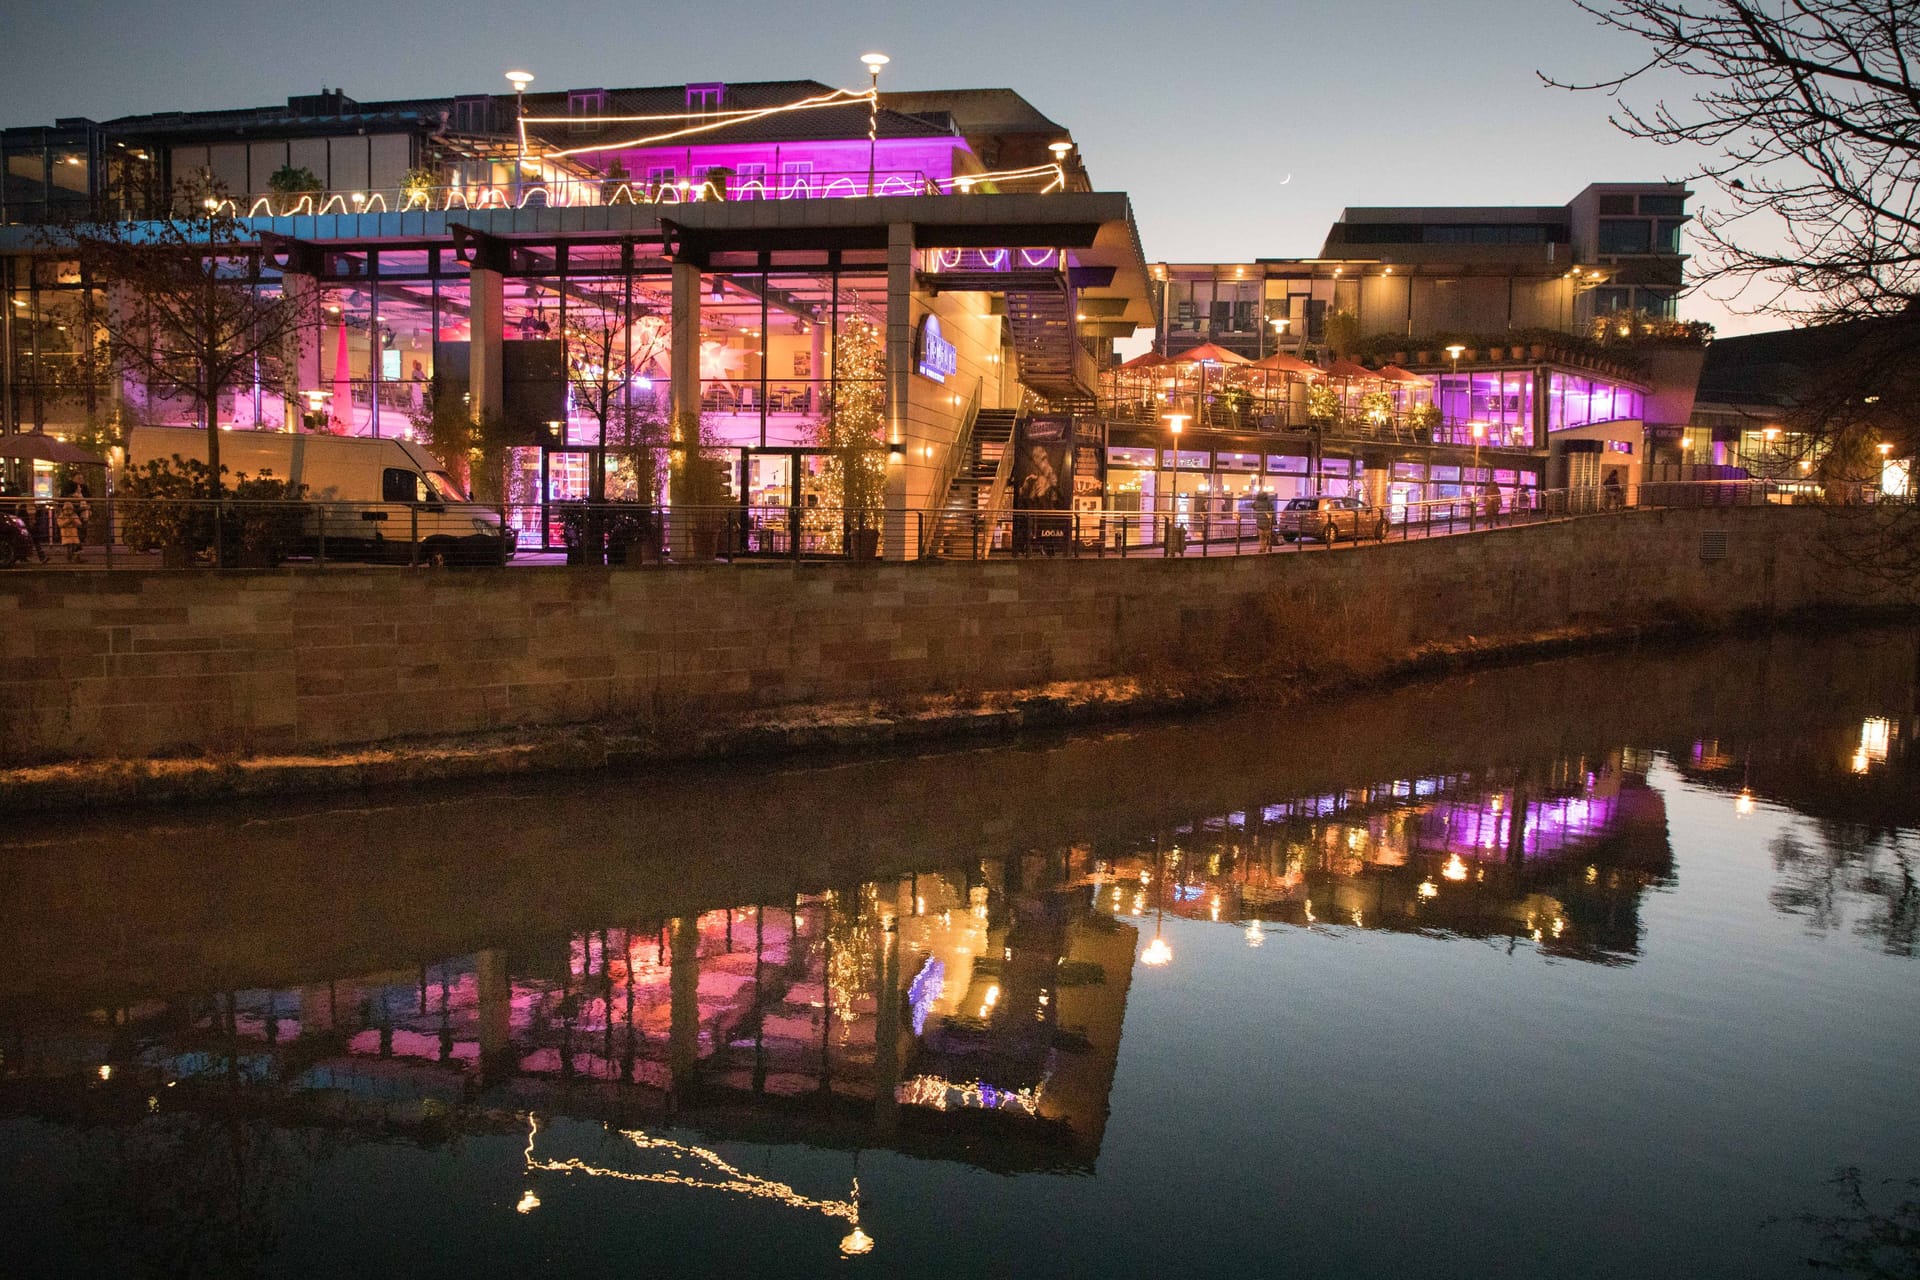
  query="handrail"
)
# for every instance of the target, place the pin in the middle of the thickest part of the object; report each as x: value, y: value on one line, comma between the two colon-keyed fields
x: 1000, y: 496
x: 942, y: 490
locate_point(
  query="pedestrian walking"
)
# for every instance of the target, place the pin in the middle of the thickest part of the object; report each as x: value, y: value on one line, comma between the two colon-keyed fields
x: 1263, y: 512
x: 1491, y: 504
x: 71, y: 517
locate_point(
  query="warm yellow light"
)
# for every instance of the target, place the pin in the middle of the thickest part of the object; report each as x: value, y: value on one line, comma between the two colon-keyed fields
x: 1770, y: 434
x: 1886, y: 449
x: 528, y: 1202
x: 1428, y: 889
x: 520, y: 80
x: 106, y: 1072
x: 856, y: 1242
x: 875, y: 61
x: 1743, y: 803
x: 1455, y: 868
x: 1157, y: 952
x: 1456, y: 351
x: 1255, y: 936
x: 1060, y: 149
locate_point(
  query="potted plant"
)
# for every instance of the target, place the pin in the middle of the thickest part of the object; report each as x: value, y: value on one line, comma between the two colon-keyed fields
x: 417, y: 188
x: 1424, y: 418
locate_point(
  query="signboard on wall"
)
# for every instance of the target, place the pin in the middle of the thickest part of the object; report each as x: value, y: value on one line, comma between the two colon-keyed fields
x: 935, y: 357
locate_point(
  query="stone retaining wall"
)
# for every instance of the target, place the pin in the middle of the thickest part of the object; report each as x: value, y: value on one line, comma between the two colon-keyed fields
x: 145, y: 663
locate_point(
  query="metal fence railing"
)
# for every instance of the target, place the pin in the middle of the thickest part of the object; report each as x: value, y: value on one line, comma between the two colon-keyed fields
x: 121, y: 533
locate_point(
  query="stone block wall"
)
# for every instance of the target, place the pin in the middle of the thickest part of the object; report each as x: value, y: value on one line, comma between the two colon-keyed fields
x: 139, y: 662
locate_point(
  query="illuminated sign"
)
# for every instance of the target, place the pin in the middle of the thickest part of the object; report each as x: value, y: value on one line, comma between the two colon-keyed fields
x: 938, y: 359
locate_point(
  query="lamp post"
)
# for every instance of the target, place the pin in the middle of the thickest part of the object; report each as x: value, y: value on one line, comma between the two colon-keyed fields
x: 1060, y: 150
x: 873, y: 61
x: 519, y: 80
x: 1454, y: 353
x: 1175, y: 421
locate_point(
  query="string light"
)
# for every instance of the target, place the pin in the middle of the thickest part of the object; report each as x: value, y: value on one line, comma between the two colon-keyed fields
x: 730, y: 1179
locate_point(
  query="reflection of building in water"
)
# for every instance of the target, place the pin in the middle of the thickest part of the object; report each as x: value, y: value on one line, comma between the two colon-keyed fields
x: 1847, y: 861
x: 1559, y: 856
x: 881, y: 1015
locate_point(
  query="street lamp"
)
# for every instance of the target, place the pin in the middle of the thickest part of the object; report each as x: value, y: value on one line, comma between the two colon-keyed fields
x: 1454, y: 352
x: 1479, y: 430
x: 873, y: 61
x: 1060, y: 150
x: 519, y: 80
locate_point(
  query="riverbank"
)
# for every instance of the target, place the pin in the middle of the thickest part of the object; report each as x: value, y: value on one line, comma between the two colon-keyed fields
x: 840, y: 729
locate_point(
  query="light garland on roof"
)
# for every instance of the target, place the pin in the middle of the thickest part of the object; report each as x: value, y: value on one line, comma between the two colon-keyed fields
x: 564, y: 193
x: 710, y: 122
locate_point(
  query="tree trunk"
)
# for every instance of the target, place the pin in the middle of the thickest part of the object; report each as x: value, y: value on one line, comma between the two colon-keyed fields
x: 211, y: 410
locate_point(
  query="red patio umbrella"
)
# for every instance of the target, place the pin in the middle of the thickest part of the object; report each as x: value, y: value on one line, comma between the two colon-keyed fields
x: 1145, y: 360
x: 1281, y: 362
x: 1394, y: 373
x: 1208, y: 353
x: 1349, y: 370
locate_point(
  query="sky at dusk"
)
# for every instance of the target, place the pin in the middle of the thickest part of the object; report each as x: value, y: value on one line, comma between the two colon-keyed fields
x: 1240, y: 129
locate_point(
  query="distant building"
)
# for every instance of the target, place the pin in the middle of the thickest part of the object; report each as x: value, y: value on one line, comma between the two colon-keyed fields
x: 1527, y: 401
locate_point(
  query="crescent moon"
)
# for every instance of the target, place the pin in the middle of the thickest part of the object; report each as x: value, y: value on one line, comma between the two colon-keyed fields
x: 1284, y: 181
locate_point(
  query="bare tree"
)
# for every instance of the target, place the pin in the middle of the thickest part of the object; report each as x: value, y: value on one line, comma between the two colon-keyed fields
x: 1806, y: 117
x: 185, y: 311
x: 613, y: 341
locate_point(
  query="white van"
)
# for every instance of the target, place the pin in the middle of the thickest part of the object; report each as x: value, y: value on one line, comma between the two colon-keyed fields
x: 380, y: 496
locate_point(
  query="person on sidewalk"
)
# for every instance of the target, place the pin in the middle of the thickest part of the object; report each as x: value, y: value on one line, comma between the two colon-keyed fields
x: 71, y: 516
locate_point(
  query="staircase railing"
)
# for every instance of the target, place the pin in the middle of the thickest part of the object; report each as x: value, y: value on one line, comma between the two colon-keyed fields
x: 961, y: 450
x: 1000, y: 497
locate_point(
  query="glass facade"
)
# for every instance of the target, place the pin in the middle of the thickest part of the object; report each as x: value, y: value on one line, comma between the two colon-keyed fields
x: 1574, y: 401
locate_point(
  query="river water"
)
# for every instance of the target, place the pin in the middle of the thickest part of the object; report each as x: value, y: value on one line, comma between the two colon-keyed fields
x: 1595, y: 967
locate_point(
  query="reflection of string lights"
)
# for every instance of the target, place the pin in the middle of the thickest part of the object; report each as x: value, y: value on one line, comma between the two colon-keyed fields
x: 940, y: 1094
x: 730, y: 1179
x: 1455, y: 868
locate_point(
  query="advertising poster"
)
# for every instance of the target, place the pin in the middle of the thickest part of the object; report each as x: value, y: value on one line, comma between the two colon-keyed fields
x: 1042, y: 464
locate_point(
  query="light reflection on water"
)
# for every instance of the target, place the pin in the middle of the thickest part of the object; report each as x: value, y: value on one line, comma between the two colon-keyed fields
x: 1478, y: 978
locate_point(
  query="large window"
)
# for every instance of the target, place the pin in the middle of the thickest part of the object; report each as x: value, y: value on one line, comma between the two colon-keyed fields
x: 1626, y: 235
x: 1580, y: 402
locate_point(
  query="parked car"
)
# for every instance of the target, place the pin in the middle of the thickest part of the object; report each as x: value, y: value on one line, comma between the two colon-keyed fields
x: 1327, y: 519
x: 379, y: 494
x: 16, y: 543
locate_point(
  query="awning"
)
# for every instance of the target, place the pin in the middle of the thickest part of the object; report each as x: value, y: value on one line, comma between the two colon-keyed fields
x: 1349, y: 370
x: 1394, y: 373
x: 1145, y: 360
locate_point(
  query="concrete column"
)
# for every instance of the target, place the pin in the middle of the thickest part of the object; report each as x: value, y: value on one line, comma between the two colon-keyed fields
x: 487, y: 315
x: 897, y: 533
x: 886, y: 1035
x: 683, y: 983
x: 316, y: 1009
x: 495, y: 998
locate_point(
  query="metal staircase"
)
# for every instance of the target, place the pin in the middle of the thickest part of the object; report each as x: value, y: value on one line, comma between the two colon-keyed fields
x: 975, y: 490
x: 1041, y: 324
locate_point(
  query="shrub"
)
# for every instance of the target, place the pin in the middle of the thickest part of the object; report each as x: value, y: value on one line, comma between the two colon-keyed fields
x: 164, y: 504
